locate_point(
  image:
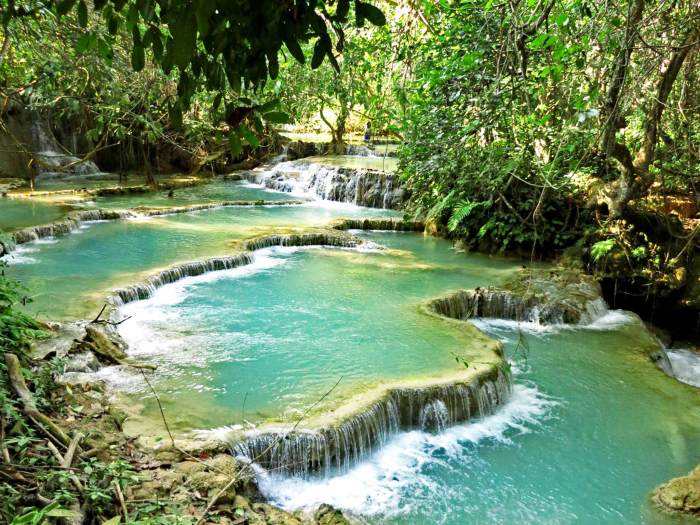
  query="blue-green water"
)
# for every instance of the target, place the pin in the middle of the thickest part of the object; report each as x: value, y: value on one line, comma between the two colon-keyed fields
x: 70, y: 278
x: 283, y: 331
x: 592, y: 427
x: 19, y: 213
x: 211, y: 192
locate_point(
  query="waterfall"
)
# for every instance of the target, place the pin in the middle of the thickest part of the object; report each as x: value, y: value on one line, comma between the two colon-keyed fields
x: 303, y: 239
x: 343, y: 445
x: 684, y: 365
x: 67, y: 225
x: 357, y: 150
x: 153, y: 212
x: 146, y: 289
x: 50, y: 153
x: 505, y: 304
x: 379, y: 224
x: 73, y: 221
x: 360, y: 186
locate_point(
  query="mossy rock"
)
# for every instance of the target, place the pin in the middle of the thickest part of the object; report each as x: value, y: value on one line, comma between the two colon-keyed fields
x: 327, y: 515
x: 680, y: 495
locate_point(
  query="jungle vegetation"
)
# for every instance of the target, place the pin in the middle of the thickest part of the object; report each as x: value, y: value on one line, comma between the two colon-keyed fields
x: 525, y: 126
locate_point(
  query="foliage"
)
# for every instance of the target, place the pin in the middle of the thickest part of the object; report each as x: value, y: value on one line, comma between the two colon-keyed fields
x: 16, y: 328
x: 504, y: 115
x: 226, y: 47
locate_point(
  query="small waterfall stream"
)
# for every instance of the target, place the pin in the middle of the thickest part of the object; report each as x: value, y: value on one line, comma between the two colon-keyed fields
x: 504, y: 304
x: 360, y: 186
x: 341, y: 446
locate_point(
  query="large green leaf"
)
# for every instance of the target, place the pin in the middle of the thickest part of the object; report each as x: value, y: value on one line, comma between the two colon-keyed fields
x: 82, y: 14
x: 295, y: 49
x: 234, y: 143
x: 276, y: 117
x: 365, y: 11
x: 138, y: 58
x: 182, y: 44
x: 319, y: 53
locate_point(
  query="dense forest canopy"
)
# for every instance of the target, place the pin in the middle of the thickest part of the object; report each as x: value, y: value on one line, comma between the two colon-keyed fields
x: 526, y: 126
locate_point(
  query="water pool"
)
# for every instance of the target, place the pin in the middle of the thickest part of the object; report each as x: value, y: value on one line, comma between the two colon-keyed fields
x: 592, y: 427
x: 216, y: 191
x: 70, y: 277
x: 280, y: 333
x: 20, y: 213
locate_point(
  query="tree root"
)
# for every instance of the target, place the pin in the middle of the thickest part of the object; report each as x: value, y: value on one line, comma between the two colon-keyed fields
x: 29, y: 408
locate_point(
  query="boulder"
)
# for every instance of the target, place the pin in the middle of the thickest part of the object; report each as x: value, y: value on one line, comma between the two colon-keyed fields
x: 680, y: 495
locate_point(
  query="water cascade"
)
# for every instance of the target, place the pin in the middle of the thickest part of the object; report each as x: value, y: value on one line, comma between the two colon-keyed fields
x: 385, y: 224
x: 146, y: 289
x: 74, y: 220
x: 330, y: 238
x: 360, y: 186
x: 29, y: 137
x: 346, y: 443
x: 535, y: 308
x: 69, y: 224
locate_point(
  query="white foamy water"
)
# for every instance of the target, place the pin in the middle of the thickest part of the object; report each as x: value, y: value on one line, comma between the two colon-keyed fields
x: 20, y: 255
x: 385, y: 483
x: 611, y: 320
x: 685, y: 365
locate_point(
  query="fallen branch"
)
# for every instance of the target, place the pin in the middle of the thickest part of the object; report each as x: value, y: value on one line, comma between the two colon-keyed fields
x: 70, y: 453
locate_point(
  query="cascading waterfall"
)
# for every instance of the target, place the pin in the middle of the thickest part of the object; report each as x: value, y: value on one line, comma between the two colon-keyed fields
x: 341, y: 446
x: 504, y: 304
x: 154, y: 212
x: 67, y: 225
x: 388, y: 224
x: 74, y: 220
x: 304, y: 239
x: 146, y: 289
x: 363, y: 187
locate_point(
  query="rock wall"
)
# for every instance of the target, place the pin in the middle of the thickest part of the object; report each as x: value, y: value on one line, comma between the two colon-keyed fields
x: 29, y: 147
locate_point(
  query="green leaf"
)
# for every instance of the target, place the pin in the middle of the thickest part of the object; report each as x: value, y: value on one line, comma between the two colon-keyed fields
x: 277, y: 117
x: 116, y: 520
x: 365, y: 11
x: 602, y: 248
x: 249, y: 136
x: 137, y: 57
x: 182, y: 45
x: 62, y: 8
x: 82, y: 14
x: 84, y: 42
x: 234, y: 144
x: 319, y: 53
x: 341, y: 12
x: 295, y: 49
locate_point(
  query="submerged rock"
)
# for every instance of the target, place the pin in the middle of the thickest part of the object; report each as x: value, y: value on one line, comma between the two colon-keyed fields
x: 680, y: 495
